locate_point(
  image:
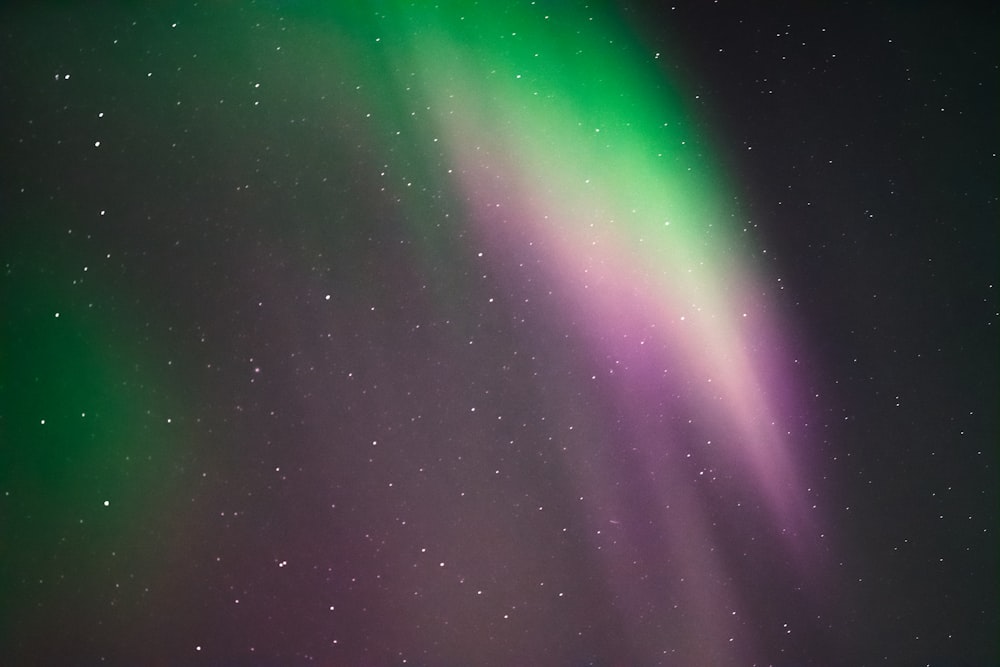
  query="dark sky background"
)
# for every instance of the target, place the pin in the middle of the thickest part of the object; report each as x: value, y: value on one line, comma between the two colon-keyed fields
x: 298, y: 363
x: 874, y: 178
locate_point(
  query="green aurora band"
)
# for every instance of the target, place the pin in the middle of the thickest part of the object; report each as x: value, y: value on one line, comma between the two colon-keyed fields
x: 558, y: 137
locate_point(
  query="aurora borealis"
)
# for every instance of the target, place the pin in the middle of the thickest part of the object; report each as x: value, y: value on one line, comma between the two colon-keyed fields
x: 394, y: 333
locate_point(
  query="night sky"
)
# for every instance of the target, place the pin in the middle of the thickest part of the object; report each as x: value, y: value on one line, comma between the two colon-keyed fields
x: 508, y: 334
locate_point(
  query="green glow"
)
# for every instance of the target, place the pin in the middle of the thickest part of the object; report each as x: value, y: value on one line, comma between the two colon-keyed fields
x: 84, y: 435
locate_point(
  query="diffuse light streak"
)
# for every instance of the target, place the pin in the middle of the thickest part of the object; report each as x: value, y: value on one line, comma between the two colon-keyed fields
x: 563, y: 138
